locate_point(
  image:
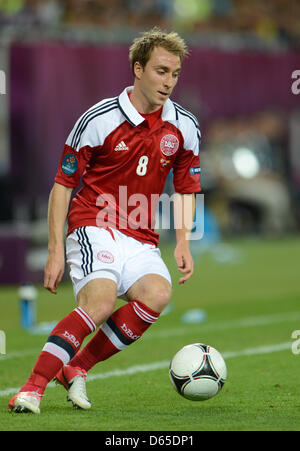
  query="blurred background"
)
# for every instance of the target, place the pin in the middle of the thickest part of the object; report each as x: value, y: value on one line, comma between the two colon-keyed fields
x: 58, y: 58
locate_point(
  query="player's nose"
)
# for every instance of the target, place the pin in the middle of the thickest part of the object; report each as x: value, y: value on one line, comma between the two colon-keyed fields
x: 168, y: 82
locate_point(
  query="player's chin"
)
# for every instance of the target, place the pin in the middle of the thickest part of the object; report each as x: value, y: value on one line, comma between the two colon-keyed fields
x: 161, y: 99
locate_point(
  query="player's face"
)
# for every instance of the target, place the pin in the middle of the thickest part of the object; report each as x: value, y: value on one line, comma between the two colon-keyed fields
x: 156, y: 81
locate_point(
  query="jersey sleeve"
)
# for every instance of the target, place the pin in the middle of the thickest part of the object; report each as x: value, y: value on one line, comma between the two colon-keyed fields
x: 77, y: 153
x: 186, y: 169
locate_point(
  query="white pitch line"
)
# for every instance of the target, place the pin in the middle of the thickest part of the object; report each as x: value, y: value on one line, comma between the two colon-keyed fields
x: 17, y: 354
x: 241, y: 323
x: 268, y: 349
x: 251, y: 321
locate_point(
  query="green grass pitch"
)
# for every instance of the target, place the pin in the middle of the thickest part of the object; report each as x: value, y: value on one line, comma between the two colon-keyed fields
x: 252, y: 304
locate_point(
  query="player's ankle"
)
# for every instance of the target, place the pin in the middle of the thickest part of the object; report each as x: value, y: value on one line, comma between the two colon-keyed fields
x: 36, y: 382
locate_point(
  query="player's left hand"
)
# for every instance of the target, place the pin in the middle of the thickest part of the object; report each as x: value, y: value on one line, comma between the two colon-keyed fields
x: 185, y: 263
x: 54, y: 271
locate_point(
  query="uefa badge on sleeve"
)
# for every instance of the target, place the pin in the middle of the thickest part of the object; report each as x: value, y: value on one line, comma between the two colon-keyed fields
x: 70, y: 164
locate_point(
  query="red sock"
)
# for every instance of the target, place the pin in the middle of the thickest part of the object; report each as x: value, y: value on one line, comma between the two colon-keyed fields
x: 124, y: 327
x: 62, y: 344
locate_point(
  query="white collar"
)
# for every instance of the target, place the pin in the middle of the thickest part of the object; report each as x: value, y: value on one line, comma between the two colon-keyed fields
x: 134, y: 117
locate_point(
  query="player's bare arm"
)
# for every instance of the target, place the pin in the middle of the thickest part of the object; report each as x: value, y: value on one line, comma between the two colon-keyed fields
x: 184, y: 210
x: 59, y: 200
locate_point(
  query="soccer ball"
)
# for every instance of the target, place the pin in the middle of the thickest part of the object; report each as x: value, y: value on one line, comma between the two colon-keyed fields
x: 198, y: 372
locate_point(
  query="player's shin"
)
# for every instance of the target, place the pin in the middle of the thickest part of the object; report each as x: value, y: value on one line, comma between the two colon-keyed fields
x: 61, y: 346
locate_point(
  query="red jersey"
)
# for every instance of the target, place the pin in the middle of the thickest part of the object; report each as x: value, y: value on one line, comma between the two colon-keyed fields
x: 123, y: 164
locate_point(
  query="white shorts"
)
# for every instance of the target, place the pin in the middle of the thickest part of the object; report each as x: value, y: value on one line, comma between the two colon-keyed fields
x: 94, y: 253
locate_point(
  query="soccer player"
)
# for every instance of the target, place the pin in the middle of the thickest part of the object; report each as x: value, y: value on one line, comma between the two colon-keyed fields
x: 122, y: 150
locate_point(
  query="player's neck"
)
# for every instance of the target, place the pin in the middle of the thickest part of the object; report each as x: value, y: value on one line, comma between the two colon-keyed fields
x: 141, y: 104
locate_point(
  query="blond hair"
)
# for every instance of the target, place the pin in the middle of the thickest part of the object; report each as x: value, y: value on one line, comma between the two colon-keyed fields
x: 142, y: 47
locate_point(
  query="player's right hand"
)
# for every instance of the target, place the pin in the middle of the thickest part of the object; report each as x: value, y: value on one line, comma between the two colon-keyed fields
x: 54, y: 270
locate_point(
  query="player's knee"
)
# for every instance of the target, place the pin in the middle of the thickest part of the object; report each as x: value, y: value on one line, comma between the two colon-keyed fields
x: 98, y: 300
x: 99, y: 311
x: 158, y: 297
x: 163, y: 298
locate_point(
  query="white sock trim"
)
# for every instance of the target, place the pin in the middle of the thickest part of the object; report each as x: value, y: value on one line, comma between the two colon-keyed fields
x: 57, y: 351
x: 86, y: 318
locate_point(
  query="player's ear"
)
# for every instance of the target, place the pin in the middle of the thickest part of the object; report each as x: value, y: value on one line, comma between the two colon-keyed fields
x: 138, y: 70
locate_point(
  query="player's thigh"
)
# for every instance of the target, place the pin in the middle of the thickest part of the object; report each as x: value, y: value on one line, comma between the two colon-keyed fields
x: 98, y: 299
x: 153, y: 290
x: 95, y: 268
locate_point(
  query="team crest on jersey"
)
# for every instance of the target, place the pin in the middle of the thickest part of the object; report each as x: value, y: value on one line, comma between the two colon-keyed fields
x: 69, y: 164
x: 169, y: 145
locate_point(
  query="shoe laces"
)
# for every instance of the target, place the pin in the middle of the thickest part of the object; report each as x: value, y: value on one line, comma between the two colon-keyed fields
x: 82, y: 374
x: 80, y: 385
